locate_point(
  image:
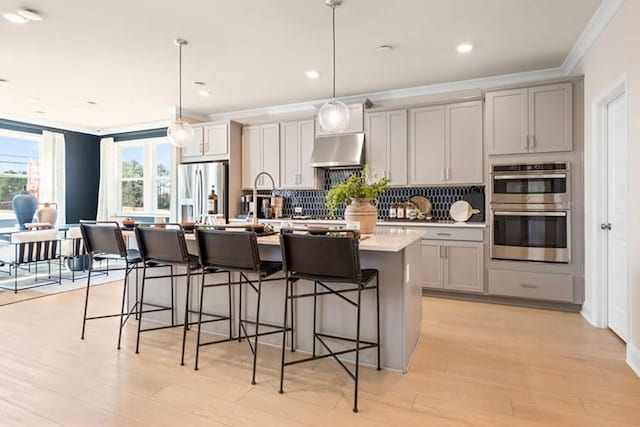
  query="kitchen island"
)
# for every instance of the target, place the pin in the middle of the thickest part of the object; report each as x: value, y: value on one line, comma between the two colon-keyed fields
x: 395, y: 253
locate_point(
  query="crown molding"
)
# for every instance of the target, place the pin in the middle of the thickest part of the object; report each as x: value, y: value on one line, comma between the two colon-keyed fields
x: 132, y: 128
x: 596, y: 25
x: 51, y: 124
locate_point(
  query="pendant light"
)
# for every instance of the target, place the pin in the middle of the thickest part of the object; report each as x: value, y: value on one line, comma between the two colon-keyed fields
x: 180, y: 133
x: 333, y: 115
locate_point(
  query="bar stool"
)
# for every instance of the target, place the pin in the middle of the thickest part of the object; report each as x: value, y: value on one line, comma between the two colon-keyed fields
x: 165, y: 247
x: 103, y: 240
x: 237, y: 252
x: 334, y: 260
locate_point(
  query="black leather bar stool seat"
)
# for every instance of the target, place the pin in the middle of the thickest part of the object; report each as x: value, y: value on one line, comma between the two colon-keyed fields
x: 167, y: 247
x: 330, y: 263
x: 237, y: 251
x: 103, y: 240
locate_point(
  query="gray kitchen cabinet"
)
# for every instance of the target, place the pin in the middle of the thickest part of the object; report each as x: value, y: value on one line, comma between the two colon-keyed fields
x: 296, y: 146
x: 445, y: 144
x: 453, y: 265
x: 261, y: 152
x: 386, y: 141
x: 426, y: 145
x: 211, y: 141
x: 530, y: 285
x: 529, y: 120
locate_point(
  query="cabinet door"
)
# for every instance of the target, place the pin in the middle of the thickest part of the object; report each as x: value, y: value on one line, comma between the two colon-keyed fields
x: 376, y: 140
x: 250, y: 155
x: 431, y: 266
x: 426, y: 145
x: 216, y: 140
x: 550, y: 118
x: 397, y: 147
x: 270, y: 151
x: 506, y: 122
x: 306, y: 139
x: 464, y: 266
x: 464, y: 143
x: 194, y: 148
x: 289, y: 154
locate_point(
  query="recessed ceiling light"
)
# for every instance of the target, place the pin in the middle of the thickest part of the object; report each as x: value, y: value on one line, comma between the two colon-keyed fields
x: 30, y: 14
x: 204, y: 92
x: 74, y: 109
x: 464, y: 47
x: 33, y: 99
x: 312, y: 74
x: 384, y: 48
x: 15, y: 18
x: 4, y: 82
x: 40, y: 112
x: 197, y: 83
x: 92, y: 102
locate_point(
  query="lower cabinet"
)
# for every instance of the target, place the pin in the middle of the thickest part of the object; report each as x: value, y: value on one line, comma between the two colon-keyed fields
x: 453, y: 265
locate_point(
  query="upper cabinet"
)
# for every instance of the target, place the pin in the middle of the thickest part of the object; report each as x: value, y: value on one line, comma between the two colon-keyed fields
x: 355, y: 125
x: 445, y: 144
x: 529, y: 120
x: 211, y: 141
x: 386, y: 144
x: 260, y: 153
x: 296, y: 147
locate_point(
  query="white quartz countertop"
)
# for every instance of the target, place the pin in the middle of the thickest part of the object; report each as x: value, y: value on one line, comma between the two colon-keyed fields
x: 412, y: 224
x: 387, y: 240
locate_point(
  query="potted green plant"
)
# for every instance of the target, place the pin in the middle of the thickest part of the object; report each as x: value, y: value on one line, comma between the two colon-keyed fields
x: 360, y: 192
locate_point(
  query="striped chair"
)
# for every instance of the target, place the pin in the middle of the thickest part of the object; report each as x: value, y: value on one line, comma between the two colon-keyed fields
x: 31, y: 247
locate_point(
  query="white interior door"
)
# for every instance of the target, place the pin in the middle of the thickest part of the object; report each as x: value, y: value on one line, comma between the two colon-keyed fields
x: 617, y: 212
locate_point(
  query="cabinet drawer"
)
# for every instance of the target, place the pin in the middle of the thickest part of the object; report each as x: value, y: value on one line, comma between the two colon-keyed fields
x: 522, y: 284
x: 451, y: 233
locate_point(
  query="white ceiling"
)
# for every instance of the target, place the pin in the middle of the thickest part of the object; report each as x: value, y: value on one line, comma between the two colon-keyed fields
x: 253, y: 53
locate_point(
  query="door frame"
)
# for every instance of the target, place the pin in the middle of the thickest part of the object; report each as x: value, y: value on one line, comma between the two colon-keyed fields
x: 596, y: 274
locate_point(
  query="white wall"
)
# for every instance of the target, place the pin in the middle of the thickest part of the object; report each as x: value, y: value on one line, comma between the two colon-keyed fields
x: 612, y: 55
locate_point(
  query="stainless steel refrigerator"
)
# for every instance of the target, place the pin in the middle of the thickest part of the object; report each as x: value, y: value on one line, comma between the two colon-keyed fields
x: 194, y: 185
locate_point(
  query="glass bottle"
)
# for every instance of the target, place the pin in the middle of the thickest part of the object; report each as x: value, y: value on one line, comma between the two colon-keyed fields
x: 212, y: 201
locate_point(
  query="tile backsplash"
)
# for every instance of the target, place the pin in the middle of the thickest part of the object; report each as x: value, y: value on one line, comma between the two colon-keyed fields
x: 313, y: 201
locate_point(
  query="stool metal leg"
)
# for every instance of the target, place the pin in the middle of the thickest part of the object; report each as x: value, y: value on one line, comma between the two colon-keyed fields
x: 315, y: 299
x: 240, y: 308
x: 255, y: 345
x: 86, y: 302
x: 284, y: 333
x: 355, y: 394
x: 144, y: 276
x: 200, y: 320
x: 378, y: 315
x: 230, y: 307
x: 124, y: 295
x: 293, y: 344
x: 186, y: 314
x: 173, y: 315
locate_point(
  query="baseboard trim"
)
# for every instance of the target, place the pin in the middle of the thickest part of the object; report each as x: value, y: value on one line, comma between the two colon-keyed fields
x: 633, y: 358
x: 494, y: 299
x: 587, y: 315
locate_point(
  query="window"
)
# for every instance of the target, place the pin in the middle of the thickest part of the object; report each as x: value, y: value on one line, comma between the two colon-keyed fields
x: 19, y: 168
x: 146, y: 175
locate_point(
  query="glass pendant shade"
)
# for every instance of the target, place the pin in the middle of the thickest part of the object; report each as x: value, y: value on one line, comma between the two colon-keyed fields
x: 334, y: 116
x: 180, y: 133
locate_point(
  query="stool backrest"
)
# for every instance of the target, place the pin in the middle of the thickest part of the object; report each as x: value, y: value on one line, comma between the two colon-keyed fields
x: 228, y: 249
x: 162, y: 244
x: 334, y: 257
x: 103, y: 237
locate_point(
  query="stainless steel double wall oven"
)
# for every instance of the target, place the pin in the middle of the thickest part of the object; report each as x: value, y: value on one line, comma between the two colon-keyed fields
x: 530, y: 212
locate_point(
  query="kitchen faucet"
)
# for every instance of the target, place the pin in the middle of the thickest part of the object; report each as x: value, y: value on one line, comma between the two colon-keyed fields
x: 255, y: 193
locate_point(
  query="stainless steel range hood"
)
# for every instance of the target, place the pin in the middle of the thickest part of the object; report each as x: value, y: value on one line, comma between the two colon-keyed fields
x: 336, y: 151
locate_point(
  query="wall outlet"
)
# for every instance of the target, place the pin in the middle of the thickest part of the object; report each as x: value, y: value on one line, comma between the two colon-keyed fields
x: 297, y: 210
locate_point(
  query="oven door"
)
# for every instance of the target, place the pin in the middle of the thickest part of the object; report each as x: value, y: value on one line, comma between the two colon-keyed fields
x: 530, y: 187
x: 531, y: 235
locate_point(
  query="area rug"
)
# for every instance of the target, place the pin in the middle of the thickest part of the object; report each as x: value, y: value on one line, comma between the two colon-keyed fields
x: 67, y: 285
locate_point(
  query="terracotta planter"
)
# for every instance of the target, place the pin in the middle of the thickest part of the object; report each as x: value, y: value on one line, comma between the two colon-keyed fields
x: 364, y: 211
x: 47, y: 214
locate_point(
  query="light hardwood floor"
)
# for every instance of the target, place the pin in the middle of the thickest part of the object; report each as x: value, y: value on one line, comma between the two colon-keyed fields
x: 477, y: 365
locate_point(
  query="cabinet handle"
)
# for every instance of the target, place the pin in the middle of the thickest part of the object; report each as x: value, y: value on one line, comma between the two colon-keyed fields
x: 525, y: 142
x: 529, y: 286
x: 441, y: 251
x: 443, y: 234
x: 448, y: 174
x: 201, y: 148
x: 532, y: 142
x: 206, y: 147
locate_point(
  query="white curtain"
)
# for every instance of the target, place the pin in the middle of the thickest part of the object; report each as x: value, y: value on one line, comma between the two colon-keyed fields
x: 52, y: 172
x: 108, y: 190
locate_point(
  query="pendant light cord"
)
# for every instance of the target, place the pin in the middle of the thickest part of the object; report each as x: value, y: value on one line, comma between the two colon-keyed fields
x: 333, y: 9
x: 180, y: 80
